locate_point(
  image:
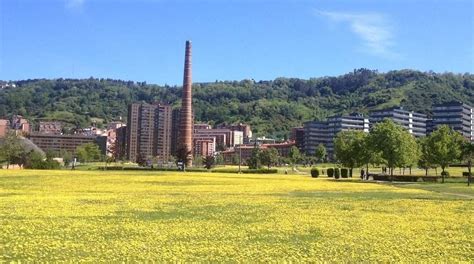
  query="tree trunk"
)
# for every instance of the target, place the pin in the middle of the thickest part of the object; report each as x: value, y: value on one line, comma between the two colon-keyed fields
x: 410, y: 170
x: 442, y: 174
x: 391, y: 174
x: 426, y: 171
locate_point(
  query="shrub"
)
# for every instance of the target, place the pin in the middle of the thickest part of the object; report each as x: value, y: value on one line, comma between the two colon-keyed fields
x: 337, y: 173
x: 315, y: 172
x: 344, y: 173
x: 330, y: 172
x: 445, y: 174
x: 466, y: 174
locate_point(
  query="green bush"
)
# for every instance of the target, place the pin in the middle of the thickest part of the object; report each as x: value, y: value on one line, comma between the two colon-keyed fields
x: 315, y: 172
x: 330, y: 172
x: 337, y: 173
x: 344, y: 173
x: 466, y: 174
x: 43, y: 165
x: 445, y: 174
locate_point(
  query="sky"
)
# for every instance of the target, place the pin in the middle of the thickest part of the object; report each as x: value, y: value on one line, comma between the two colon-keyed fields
x: 143, y: 40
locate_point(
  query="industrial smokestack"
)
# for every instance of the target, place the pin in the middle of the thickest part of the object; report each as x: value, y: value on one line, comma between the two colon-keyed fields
x: 186, y: 124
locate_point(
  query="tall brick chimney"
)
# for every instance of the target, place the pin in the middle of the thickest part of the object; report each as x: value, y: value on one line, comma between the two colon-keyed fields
x: 186, y: 126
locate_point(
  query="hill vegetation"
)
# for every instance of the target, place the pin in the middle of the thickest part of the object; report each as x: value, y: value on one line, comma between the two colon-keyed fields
x: 271, y: 107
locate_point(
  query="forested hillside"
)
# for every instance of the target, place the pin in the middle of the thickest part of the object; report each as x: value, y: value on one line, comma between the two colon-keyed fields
x: 271, y: 107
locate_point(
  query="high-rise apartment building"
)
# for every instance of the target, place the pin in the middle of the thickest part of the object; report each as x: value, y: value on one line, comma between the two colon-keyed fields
x: 457, y: 115
x: 324, y: 132
x: 149, y: 132
x: 413, y: 122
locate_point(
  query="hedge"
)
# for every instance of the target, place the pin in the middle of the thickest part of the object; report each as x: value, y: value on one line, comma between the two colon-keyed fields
x: 330, y: 172
x: 315, y: 172
x: 337, y: 173
x: 344, y: 173
x: 445, y: 174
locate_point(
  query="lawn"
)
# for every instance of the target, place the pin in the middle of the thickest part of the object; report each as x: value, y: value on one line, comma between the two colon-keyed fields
x: 169, y: 216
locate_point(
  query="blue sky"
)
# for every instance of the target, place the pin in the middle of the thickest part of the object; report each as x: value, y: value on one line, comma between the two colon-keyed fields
x: 143, y: 40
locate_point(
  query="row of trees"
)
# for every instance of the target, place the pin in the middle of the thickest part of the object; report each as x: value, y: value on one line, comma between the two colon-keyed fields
x: 391, y: 145
x: 270, y: 157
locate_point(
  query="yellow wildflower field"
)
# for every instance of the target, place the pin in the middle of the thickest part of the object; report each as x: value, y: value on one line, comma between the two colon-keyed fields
x: 91, y: 216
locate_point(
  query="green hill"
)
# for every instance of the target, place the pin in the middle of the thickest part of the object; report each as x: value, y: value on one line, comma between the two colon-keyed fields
x: 271, y: 107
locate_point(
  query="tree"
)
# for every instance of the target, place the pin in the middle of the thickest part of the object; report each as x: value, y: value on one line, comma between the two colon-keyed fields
x: 444, y: 144
x: 320, y: 153
x: 395, y: 145
x: 183, y: 155
x: 208, y: 162
x: 11, y: 150
x: 254, y: 162
x: 410, y: 150
x: 88, y: 152
x: 219, y: 159
x: 426, y: 157
x: 295, y: 156
x: 269, y: 157
x: 198, y: 161
x: 468, y: 156
x: 67, y: 157
x: 348, y: 147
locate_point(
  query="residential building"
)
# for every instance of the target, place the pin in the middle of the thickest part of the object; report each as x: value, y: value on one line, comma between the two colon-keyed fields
x: 20, y: 124
x: 260, y: 141
x: 413, y: 122
x: 324, y: 132
x: 175, y: 122
x: 297, y: 135
x: 4, y: 126
x: 149, y: 132
x: 50, y: 127
x: 61, y: 143
x: 204, y: 146
x: 457, y: 115
x: 120, y: 146
x: 244, y: 128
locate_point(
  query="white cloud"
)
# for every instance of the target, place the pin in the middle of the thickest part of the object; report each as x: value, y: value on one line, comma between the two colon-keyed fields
x: 75, y: 4
x: 372, y: 28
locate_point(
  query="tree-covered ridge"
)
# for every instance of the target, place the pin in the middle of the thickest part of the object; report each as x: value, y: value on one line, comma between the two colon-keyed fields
x: 271, y: 107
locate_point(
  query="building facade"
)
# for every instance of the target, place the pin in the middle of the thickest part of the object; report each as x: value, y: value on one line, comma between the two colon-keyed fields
x: 324, y: 132
x: 68, y: 143
x: 149, y: 132
x: 50, y: 127
x: 413, y: 122
x: 458, y: 116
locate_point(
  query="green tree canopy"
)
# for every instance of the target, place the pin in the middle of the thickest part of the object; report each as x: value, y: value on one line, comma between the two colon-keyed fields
x: 88, y: 152
x: 269, y: 157
x: 444, y: 146
x: 394, y: 144
x: 320, y: 153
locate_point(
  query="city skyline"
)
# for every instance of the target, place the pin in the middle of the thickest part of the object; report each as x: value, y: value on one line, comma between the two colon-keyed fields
x: 259, y: 40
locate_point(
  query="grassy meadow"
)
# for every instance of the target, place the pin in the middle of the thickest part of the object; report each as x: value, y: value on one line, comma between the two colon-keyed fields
x: 111, y: 216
